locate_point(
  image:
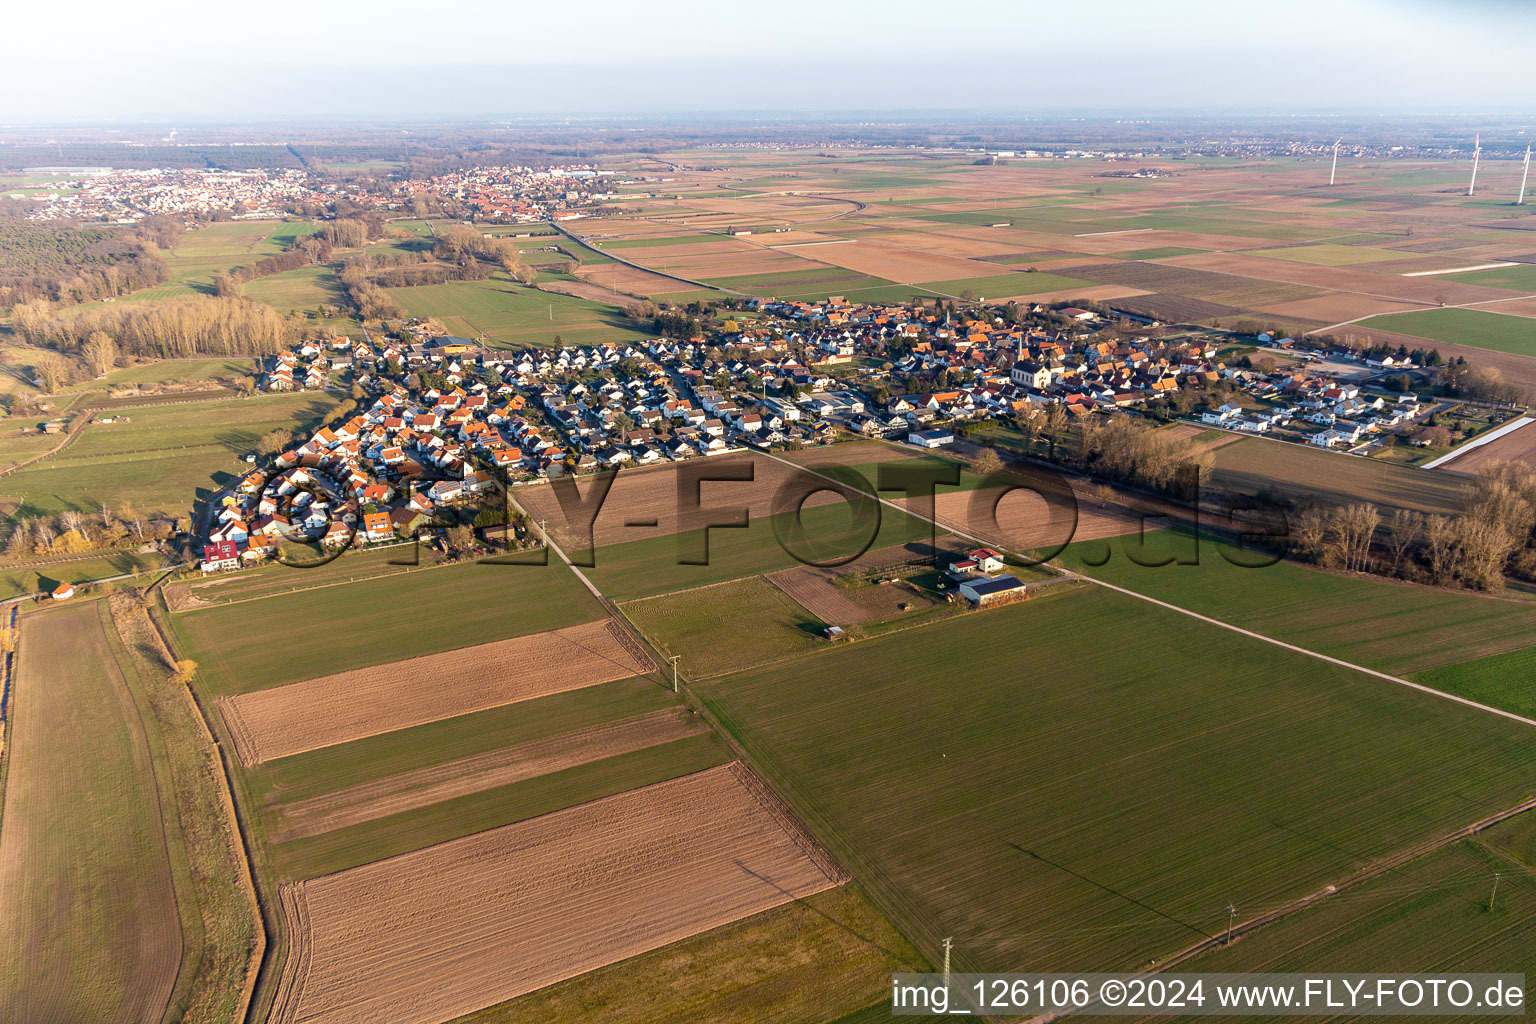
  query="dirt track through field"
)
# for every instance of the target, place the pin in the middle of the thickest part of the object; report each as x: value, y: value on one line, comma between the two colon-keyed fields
x: 427, y: 936
x: 436, y: 783
x: 327, y: 710
x: 88, y: 924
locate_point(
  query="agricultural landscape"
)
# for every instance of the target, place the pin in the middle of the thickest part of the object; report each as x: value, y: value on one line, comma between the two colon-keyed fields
x: 695, y: 571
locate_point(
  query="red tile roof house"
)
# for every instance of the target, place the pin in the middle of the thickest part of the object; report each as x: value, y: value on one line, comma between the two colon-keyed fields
x: 63, y: 592
x: 220, y: 555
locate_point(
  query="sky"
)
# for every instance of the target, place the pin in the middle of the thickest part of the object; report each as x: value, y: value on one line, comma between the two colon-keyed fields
x: 97, y: 61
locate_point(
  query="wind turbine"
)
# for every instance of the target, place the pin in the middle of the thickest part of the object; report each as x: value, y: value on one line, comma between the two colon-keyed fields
x: 1477, y: 151
x: 1335, y: 161
x: 1524, y: 176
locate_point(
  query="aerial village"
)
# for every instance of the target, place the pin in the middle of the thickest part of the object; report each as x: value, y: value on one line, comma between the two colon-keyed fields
x: 492, y: 194
x: 443, y: 418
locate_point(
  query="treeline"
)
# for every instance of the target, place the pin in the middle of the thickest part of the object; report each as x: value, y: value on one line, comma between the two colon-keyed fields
x: 352, y: 232
x: 190, y: 326
x: 68, y: 264
x: 305, y: 252
x: 72, y: 532
x: 468, y: 248
x: 368, y: 300
x: 1491, y: 536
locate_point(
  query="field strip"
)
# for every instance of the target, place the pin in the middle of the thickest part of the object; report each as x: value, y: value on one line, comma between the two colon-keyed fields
x: 1375, y: 870
x: 1492, y: 435
x: 326, y: 710
x: 1314, y: 654
x: 437, y: 783
x: 1238, y: 629
x: 427, y: 936
x: 1460, y: 270
x: 1127, y: 231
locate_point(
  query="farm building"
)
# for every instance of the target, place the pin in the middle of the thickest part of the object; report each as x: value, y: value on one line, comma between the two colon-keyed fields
x: 63, y: 592
x: 930, y: 438
x: 982, y: 592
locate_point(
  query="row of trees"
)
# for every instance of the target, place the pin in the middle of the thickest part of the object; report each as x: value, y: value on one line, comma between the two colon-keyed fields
x: 1490, y: 536
x: 189, y: 326
x: 75, y: 532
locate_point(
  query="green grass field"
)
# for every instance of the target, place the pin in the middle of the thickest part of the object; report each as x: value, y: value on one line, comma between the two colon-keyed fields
x: 808, y: 962
x: 1506, y: 680
x: 20, y: 581
x: 691, y: 623
x: 1106, y: 805
x: 233, y: 424
x: 1429, y: 916
x: 1475, y: 327
x: 511, y: 315
x: 491, y: 808
x: 1519, y: 278
x: 304, y: 289
x: 645, y: 568
x: 162, y: 460
x: 170, y: 371
x: 249, y: 645
x: 89, y: 928
x: 1160, y: 253
x: 1328, y: 254
x: 1392, y: 627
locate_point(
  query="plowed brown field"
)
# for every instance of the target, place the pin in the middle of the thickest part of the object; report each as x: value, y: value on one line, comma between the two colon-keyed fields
x: 893, y: 263
x: 1020, y: 520
x: 1515, y: 446
x: 428, y: 936
x: 436, y: 783
x: 648, y: 499
x: 332, y: 709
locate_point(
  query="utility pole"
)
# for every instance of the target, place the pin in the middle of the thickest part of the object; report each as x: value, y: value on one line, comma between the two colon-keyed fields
x: 948, y: 944
x: 1495, y: 891
x: 1231, y: 915
x: 673, y: 660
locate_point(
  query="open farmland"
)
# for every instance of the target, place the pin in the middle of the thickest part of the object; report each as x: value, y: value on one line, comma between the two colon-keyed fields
x: 1259, y: 774
x: 690, y: 623
x: 510, y: 315
x: 1518, y: 445
x: 251, y: 644
x: 1475, y: 327
x: 89, y: 928
x: 162, y: 459
x: 283, y: 720
x: 427, y: 936
x: 818, y: 959
x: 1301, y: 473
x: 1429, y: 916
x: 436, y: 783
x: 821, y: 534
x: 1366, y: 620
x: 1506, y: 680
x: 649, y: 503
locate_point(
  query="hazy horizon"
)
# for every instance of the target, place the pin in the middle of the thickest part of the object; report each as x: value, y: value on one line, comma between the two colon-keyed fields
x: 472, y: 61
